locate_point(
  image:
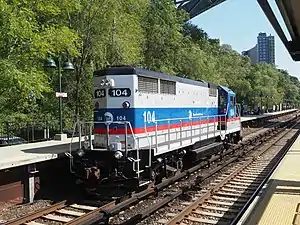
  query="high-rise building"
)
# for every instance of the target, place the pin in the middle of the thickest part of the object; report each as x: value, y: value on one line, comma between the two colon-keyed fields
x: 252, y: 53
x: 263, y: 51
x: 266, y: 48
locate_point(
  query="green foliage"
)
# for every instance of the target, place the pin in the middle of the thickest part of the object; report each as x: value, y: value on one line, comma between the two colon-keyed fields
x: 162, y: 28
x: 30, y: 30
x: 96, y: 33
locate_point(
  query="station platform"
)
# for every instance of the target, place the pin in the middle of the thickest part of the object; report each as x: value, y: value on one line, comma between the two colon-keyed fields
x: 19, y: 155
x: 278, y: 202
x: 251, y: 117
x: 25, y: 154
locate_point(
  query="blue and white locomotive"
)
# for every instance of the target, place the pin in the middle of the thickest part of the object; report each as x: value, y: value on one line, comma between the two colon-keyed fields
x: 149, y: 124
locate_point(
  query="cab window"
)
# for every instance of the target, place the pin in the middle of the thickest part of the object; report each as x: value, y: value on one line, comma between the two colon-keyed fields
x: 222, y: 100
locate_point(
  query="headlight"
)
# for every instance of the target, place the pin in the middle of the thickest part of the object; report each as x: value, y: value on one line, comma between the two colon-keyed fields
x: 118, y: 155
x: 126, y: 104
x: 107, y: 83
x: 159, y: 160
x: 80, y: 153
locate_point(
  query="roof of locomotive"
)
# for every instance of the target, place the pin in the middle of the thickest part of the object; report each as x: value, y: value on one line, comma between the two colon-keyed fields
x: 228, y: 90
x: 128, y: 70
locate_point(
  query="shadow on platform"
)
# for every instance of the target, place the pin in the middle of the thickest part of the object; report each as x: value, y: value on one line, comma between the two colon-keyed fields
x: 54, y: 149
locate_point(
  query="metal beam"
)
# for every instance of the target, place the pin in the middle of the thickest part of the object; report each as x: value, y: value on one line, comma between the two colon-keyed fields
x: 282, y: 8
x: 196, y: 7
x: 180, y: 3
x: 287, y: 11
x: 265, y: 6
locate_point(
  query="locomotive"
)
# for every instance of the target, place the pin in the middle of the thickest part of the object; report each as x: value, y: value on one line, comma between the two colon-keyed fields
x: 149, y: 125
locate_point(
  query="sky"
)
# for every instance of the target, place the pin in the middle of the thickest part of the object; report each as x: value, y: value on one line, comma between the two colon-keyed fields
x: 238, y: 22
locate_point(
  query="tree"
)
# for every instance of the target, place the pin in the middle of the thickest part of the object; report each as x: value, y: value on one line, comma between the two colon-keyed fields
x: 111, y: 34
x: 27, y: 36
x: 162, y: 30
x: 94, y: 34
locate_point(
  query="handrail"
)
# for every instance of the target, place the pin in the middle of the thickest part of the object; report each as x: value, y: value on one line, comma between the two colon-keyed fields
x: 187, y: 118
x: 87, y: 127
x: 125, y: 123
x: 191, y: 128
x: 89, y: 134
x: 150, y: 145
x: 69, y: 154
x: 192, y: 119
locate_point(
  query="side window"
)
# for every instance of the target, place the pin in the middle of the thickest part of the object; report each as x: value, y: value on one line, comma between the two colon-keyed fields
x: 222, y: 100
x: 212, y: 92
x: 238, y: 110
x: 231, y: 101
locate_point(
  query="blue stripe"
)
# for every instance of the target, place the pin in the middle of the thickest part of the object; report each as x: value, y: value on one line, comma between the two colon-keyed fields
x: 137, y: 115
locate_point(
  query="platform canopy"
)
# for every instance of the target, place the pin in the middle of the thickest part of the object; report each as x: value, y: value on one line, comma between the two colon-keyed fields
x: 290, y: 12
x: 196, y: 7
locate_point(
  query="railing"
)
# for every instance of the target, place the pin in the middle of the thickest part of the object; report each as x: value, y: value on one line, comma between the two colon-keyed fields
x: 86, y: 130
x: 192, y: 128
x: 13, y: 133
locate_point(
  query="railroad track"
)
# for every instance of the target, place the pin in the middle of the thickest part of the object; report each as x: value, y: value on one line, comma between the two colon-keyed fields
x: 74, y: 214
x: 231, y: 192
x: 169, y: 204
x: 64, y: 213
x: 270, y: 123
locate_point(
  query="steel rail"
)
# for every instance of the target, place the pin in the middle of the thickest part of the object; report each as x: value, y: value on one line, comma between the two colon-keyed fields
x: 88, y: 218
x: 103, y: 212
x: 277, y: 161
x: 184, y: 214
x: 263, y: 137
x: 37, y: 214
x: 152, y: 191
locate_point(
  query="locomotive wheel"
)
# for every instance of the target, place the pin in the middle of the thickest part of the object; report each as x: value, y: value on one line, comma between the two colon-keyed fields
x: 180, y: 166
x: 156, y: 176
x: 236, y: 138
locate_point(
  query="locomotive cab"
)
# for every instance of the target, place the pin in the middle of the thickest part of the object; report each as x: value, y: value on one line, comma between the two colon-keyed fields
x: 227, y: 106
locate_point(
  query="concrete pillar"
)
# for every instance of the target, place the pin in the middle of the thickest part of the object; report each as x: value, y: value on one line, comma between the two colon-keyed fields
x: 46, y: 133
x: 32, y: 171
x: 61, y: 137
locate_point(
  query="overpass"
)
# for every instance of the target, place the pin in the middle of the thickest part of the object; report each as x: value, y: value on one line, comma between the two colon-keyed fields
x: 289, y: 9
x: 196, y: 7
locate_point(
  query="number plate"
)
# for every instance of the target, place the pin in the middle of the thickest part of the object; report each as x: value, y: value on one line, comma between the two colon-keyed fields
x: 119, y: 92
x: 99, y: 93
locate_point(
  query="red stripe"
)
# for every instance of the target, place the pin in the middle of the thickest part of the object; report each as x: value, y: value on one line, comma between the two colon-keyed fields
x: 233, y: 119
x: 140, y: 130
